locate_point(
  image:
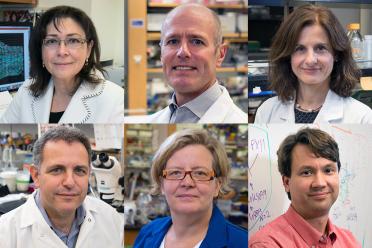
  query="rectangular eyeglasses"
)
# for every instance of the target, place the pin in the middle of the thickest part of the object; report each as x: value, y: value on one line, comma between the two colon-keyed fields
x: 197, y: 175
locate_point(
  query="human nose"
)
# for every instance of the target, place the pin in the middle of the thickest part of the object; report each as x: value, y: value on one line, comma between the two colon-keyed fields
x: 68, y: 180
x: 62, y: 48
x: 183, y: 50
x: 311, y: 57
x: 187, y: 180
x: 319, y: 181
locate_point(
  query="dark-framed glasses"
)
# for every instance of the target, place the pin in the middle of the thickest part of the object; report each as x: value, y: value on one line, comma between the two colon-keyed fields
x: 197, y: 174
x: 70, y: 43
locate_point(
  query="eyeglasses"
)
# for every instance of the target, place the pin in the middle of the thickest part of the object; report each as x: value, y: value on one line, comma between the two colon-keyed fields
x: 197, y: 175
x: 70, y: 43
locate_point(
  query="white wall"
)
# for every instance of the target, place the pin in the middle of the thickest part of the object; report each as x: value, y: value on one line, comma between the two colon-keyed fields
x: 108, y: 18
x: 84, y: 5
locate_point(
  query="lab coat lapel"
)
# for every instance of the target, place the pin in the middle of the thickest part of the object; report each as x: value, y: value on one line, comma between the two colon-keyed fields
x: 86, y: 228
x: 219, y: 109
x: 163, y: 116
x: 42, y: 234
x: 79, y: 109
x: 41, y: 105
x: 333, y: 108
x: 286, y: 112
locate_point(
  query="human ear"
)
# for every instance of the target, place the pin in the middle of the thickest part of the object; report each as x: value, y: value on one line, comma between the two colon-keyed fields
x: 90, y: 46
x: 218, y: 187
x: 35, y: 175
x: 221, y: 53
x: 285, y: 181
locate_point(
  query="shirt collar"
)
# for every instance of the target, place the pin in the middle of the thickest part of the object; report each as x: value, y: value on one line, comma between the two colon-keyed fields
x: 309, y: 234
x: 201, y: 103
x: 78, y: 220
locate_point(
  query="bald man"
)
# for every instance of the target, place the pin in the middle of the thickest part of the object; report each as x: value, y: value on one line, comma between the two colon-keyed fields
x: 191, y: 50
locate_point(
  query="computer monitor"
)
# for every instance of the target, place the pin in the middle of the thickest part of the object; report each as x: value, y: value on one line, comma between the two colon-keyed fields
x: 14, y: 55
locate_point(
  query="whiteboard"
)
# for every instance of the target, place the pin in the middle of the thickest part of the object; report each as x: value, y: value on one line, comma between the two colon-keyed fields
x: 267, y: 198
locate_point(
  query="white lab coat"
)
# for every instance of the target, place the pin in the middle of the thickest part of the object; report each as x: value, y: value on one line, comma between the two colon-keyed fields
x: 25, y: 227
x: 223, y: 110
x: 336, y: 109
x: 102, y: 103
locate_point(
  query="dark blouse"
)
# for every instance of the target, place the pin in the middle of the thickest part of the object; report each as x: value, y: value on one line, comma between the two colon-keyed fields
x: 305, y: 117
x: 54, y: 117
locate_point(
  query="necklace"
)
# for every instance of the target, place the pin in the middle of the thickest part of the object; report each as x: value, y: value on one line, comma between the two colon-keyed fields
x: 298, y: 107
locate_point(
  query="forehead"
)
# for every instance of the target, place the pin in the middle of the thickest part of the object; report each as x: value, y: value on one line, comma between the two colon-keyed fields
x: 303, y: 156
x: 313, y: 33
x: 64, y: 25
x: 191, y: 156
x: 63, y: 153
x: 190, y: 20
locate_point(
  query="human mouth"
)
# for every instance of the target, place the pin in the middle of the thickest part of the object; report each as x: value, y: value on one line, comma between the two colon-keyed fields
x: 183, y: 68
x: 62, y: 64
x: 186, y: 196
x: 311, y: 70
x: 319, y: 195
x: 67, y: 195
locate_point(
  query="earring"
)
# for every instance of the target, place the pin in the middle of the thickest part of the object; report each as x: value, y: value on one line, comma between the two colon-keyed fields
x: 86, y: 61
x: 43, y: 65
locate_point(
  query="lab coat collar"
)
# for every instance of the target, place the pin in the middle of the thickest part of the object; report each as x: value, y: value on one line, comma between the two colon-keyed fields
x: 219, y: 109
x: 78, y: 108
x: 87, y: 225
x: 332, y: 109
x: 42, y: 232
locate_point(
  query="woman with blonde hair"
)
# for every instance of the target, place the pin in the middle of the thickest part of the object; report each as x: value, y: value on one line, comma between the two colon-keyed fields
x: 191, y: 170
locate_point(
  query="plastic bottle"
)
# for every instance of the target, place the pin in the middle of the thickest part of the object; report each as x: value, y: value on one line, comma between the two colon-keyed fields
x: 356, y: 41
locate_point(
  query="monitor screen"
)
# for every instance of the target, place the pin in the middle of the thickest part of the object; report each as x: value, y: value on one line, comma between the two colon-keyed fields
x: 14, y: 55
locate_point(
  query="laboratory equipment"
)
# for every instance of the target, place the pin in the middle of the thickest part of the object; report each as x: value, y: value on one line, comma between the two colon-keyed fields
x: 107, y: 171
x: 356, y: 41
x: 14, y: 38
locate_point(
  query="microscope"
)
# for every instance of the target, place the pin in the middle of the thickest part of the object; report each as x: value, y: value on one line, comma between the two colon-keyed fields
x: 107, y: 171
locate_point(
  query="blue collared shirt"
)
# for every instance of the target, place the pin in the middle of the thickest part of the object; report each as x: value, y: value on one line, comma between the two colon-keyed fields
x: 192, y: 111
x: 70, y: 238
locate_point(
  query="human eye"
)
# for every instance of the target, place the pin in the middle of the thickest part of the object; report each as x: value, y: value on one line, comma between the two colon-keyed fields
x: 51, y: 42
x: 330, y: 170
x: 171, y: 42
x: 73, y: 41
x: 306, y: 172
x: 197, y: 42
x: 81, y: 171
x: 200, y: 174
x: 56, y: 170
x: 174, y: 173
x: 299, y: 49
x: 321, y: 48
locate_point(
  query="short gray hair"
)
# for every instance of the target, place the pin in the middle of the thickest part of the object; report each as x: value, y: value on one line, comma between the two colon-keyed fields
x: 60, y: 133
x: 218, y: 31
